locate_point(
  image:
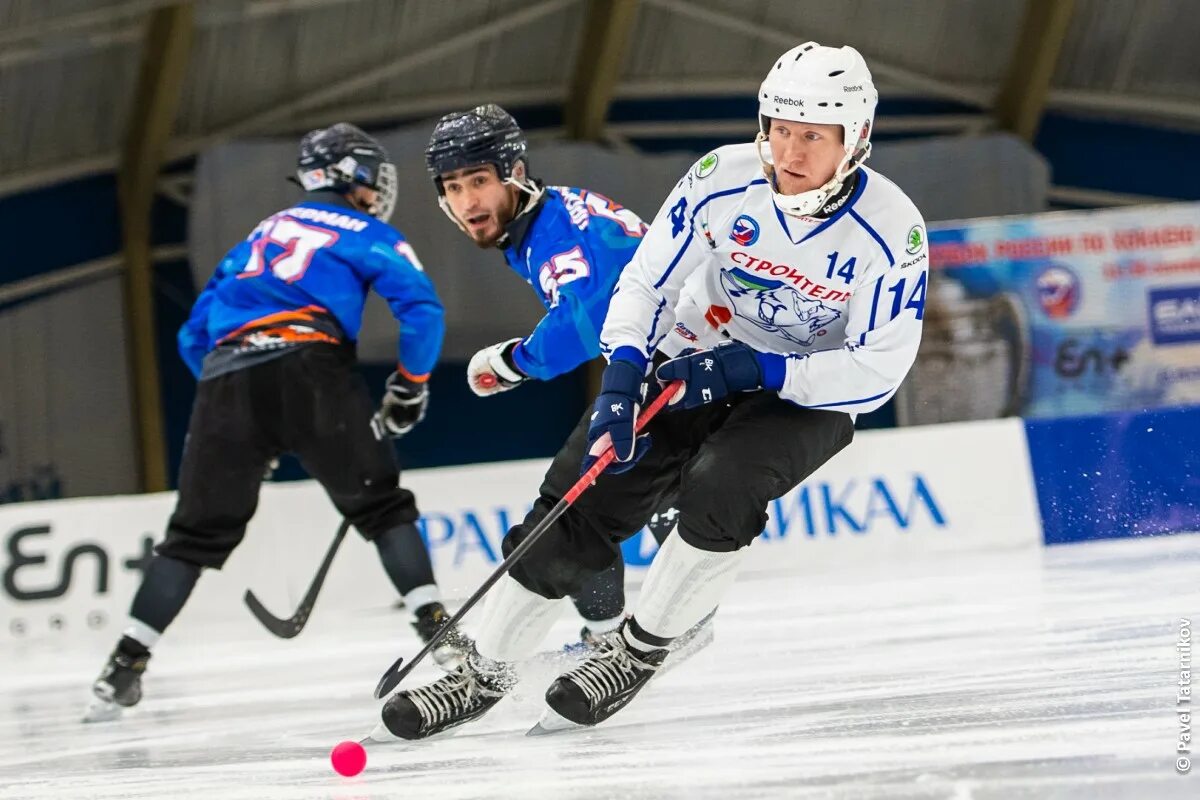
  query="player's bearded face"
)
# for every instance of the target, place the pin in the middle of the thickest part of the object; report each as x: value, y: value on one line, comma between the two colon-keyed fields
x: 480, y: 202
x: 805, y: 154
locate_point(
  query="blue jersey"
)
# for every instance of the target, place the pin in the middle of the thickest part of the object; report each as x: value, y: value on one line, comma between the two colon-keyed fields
x: 302, y: 276
x: 571, y: 251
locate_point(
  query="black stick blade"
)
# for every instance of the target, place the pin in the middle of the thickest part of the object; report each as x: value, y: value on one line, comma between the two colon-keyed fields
x: 291, y: 627
x: 283, y: 628
x: 390, y: 679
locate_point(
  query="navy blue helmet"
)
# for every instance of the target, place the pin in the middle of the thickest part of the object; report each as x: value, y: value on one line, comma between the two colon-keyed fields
x: 486, y: 134
x: 343, y: 156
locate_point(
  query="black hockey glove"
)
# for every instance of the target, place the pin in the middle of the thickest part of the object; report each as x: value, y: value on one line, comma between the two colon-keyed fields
x: 403, y: 406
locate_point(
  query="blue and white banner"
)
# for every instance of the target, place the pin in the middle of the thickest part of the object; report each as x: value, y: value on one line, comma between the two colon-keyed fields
x: 1064, y: 313
x: 73, y: 565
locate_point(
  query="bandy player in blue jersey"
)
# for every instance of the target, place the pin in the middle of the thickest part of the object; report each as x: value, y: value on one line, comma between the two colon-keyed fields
x: 569, y: 245
x: 271, y: 340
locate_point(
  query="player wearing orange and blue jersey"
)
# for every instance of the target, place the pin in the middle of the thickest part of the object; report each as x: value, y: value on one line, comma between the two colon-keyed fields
x: 271, y: 339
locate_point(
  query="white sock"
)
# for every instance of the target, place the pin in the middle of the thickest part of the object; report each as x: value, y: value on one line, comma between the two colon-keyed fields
x: 422, y: 596
x: 514, y: 621
x: 683, y: 584
x: 140, y: 631
x: 599, y: 626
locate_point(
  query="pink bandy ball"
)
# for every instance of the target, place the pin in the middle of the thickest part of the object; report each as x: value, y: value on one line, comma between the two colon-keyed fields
x: 348, y: 758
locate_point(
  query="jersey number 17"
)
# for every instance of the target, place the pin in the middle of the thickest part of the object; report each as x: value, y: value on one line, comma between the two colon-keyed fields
x: 299, y: 243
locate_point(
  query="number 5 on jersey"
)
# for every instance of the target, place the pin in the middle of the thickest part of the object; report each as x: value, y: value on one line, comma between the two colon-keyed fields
x: 561, y: 270
x: 299, y: 243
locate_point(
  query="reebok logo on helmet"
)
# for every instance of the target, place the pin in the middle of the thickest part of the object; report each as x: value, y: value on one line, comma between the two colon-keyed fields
x: 788, y: 101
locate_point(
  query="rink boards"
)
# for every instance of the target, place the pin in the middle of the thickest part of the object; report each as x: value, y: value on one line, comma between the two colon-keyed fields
x: 892, y: 495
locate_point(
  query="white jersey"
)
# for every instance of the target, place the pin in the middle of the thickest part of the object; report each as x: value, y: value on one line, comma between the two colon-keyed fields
x: 842, y: 298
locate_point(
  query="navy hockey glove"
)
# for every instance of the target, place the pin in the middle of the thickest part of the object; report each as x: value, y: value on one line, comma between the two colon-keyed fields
x: 403, y: 406
x: 613, y: 418
x: 710, y: 375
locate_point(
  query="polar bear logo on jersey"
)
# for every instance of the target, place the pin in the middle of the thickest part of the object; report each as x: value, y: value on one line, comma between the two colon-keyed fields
x: 779, y: 309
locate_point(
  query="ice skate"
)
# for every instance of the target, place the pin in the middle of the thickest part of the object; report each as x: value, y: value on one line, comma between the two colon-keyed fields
x: 451, y: 652
x: 606, y: 681
x: 119, y: 685
x: 465, y: 694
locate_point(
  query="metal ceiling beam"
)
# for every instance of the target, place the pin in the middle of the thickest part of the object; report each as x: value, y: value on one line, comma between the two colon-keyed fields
x: 55, y: 38
x: 914, y: 124
x: 165, y: 52
x: 1022, y: 97
x: 409, y: 108
x: 81, y: 22
x: 599, y: 60
x: 881, y: 69
x: 437, y: 50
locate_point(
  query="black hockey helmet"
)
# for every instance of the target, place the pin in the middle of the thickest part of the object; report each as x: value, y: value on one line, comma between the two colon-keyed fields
x: 343, y: 156
x: 486, y: 134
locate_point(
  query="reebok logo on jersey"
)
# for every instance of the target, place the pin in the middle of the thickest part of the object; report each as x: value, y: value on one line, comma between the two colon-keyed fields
x: 708, y: 365
x: 616, y: 408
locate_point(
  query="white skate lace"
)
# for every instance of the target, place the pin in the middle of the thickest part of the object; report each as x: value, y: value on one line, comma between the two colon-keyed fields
x: 454, y: 694
x: 609, y: 670
x: 440, y: 700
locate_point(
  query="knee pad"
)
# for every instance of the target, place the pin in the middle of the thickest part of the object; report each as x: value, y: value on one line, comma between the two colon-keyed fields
x: 553, y: 568
x: 712, y: 519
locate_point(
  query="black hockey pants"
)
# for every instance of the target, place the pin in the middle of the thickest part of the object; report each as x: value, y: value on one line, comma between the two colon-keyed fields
x: 724, y: 461
x: 310, y: 402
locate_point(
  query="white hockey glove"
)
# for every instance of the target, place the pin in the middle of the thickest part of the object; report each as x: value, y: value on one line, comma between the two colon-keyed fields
x: 403, y: 406
x: 493, y: 370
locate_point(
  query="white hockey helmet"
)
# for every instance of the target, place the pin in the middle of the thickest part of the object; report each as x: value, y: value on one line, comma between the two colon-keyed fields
x: 825, y: 85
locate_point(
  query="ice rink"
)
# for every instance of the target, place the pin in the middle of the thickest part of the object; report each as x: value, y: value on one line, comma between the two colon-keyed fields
x: 1011, y: 675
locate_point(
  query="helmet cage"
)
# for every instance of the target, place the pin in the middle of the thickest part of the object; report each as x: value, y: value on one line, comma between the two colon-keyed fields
x: 342, y: 157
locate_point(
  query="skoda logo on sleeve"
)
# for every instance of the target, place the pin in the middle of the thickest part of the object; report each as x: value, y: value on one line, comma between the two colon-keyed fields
x: 745, y: 230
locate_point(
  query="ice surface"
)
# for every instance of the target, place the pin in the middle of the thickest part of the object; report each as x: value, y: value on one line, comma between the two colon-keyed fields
x: 1002, y: 675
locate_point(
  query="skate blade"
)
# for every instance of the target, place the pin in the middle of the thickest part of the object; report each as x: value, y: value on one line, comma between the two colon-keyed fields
x: 380, y: 735
x: 552, y: 722
x: 101, y: 711
x: 686, y: 649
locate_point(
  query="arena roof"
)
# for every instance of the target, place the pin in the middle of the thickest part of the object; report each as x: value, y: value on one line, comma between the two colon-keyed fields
x: 69, y: 69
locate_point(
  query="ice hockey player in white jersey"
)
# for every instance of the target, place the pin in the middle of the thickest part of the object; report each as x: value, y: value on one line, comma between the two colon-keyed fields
x: 784, y: 283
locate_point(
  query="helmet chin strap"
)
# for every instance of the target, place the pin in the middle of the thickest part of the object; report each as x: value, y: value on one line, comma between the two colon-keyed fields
x: 530, y: 188
x: 807, y: 203
x: 445, y: 206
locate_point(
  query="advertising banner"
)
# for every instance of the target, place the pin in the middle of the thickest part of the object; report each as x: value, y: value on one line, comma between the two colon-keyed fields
x: 1059, y: 314
x: 72, y: 565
